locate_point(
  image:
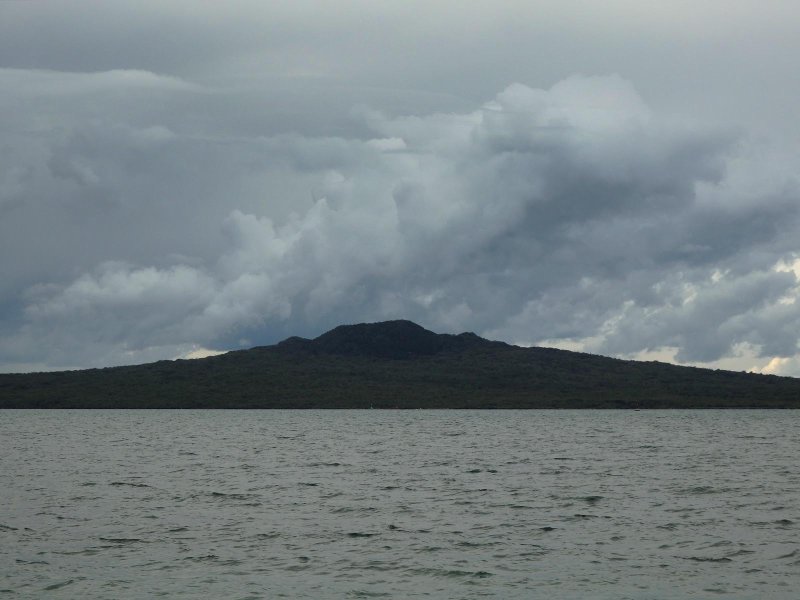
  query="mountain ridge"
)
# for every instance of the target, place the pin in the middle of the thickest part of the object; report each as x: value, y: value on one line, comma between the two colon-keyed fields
x: 398, y: 339
x: 398, y: 364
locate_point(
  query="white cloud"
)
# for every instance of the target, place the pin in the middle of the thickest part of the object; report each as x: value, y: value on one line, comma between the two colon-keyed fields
x: 575, y: 214
x: 199, y: 352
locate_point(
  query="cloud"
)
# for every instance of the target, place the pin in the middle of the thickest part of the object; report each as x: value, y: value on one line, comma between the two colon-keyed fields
x: 575, y: 214
x: 406, y: 55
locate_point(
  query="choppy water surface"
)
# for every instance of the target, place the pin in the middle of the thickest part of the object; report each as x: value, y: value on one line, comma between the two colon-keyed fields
x: 401, y: 504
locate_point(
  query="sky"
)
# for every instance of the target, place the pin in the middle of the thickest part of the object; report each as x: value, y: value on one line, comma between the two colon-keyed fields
x: 184, y: 178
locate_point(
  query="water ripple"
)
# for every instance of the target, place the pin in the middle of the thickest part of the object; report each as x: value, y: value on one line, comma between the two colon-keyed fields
x: 371, y: 504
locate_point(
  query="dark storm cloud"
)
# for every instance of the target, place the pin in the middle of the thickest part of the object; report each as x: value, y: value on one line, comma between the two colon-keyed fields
x: 141, y: 228
x: 175, y: 174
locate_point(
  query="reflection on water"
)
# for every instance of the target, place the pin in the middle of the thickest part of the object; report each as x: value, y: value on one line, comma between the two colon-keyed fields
x: 361, y: 504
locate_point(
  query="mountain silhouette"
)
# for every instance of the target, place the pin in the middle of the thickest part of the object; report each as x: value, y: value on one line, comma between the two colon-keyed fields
x: 399, y: 339
x: 398, y: 364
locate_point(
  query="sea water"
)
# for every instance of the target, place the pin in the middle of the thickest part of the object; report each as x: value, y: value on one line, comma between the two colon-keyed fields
x: 400, y: 504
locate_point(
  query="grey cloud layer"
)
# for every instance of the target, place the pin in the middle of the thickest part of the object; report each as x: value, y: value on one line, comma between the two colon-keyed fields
x: 732, y: 61
x: 140, y: 226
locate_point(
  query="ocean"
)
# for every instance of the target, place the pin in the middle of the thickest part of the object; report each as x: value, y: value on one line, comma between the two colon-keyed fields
x: 400, y: 504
